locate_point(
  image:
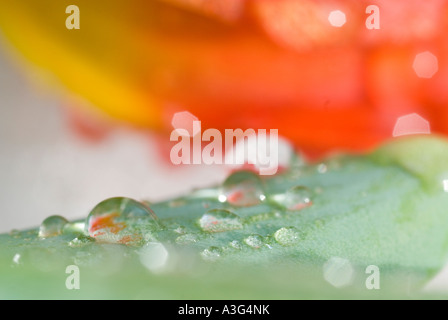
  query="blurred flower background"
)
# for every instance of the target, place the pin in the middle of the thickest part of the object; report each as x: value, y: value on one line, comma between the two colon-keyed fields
x: 86, y: 114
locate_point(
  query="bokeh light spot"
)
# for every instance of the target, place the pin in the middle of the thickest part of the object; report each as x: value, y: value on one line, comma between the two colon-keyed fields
x: 184, y: 120
x: 425, y: 65
x: 411, y: 124
x: 337, y: 18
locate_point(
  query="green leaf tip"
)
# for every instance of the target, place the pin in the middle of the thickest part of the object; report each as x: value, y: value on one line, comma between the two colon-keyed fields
x: 424, y: 156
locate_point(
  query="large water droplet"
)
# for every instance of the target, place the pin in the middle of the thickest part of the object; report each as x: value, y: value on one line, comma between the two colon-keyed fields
x: 219, y: 220
x: 255, y: 241
x: 287, y: 236
x: 211, y: 254
x: 52, y: 226
x: 242, y: 188
x: 107, y: 222
x: 296, y: 198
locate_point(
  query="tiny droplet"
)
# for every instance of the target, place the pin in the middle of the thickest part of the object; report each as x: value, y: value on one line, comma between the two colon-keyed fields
x: 255, y: 241
x: 211, y: 254
x: 220, y: 220
x: 287, y: 236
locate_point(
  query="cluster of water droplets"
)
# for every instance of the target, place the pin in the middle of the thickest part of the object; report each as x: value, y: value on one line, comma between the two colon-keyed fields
x: 122, y: 220
x: 114, y: 220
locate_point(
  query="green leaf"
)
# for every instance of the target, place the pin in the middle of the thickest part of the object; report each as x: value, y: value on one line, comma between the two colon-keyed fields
x: 312, y: 234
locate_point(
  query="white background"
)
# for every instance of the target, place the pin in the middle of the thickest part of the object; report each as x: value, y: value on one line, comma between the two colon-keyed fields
x: 46, y: 169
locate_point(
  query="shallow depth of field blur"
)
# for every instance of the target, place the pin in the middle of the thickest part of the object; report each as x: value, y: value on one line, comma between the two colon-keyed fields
x: 47, y: 168
x: 86, y: 114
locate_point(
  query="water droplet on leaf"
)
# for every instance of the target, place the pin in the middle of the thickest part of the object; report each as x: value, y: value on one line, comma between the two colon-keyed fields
x: 52, y: 226
x: 81, y: 241
x: 187, y: 238
x: 242, y: 188
x: 297, y: 198
x: 220, y: 220
x: 287, y: 236
x: 322, y: 168
x: 180, y: 230
x: 236, y: 244
x: 255, y: 241
x: 211, y: 254
x: 108, y: 221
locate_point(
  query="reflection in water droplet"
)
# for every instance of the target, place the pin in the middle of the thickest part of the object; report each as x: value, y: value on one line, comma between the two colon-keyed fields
x: 107, y: 221
x: 255, y: 241
x: 211, y: 254
x: 52, y: 226
x: 187, y: 238
x: 219, y: 220
x: 338, y: 272
x: 242, y: 188
x: 287, y: 236
x: 154, y: 256
x: 81, y: 241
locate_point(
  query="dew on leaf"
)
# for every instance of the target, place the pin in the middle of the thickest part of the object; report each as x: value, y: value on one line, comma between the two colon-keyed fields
x: 211, y: 254
x: 295, y: 199
x: 287, y: 236
x: 255, y: 241
x: 242, y: 188
x: 180, y: 230
x: 107, y: 222
x: 236, y: 244
x: 52, y: 226
x: 81, y: 241
x: 187, y: 238
x: 322, y: 168
x: 220, y: 220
